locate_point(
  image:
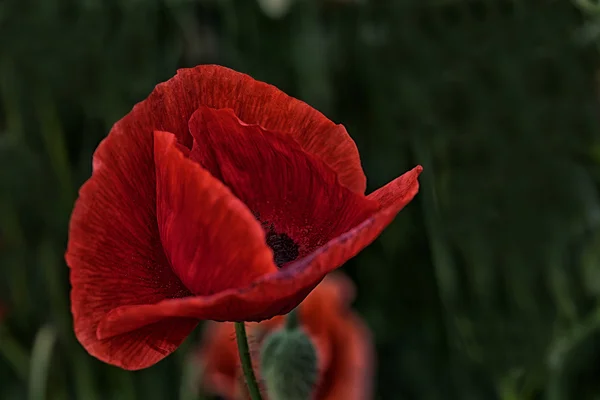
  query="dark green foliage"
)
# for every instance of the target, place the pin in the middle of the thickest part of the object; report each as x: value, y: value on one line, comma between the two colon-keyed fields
x: 486, y: 287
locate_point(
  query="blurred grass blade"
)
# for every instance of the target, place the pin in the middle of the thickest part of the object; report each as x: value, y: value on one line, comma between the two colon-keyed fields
x: 12, y: 233
x: 13, y: 353
x: 443, y: 267
x: 123, y: 385
x: 85, y: 385
x: 589, y: 7
x: 9, y: 99
x: 56, y: 147
x: 48, y: 258
x: 570, y: 354
x: 190, y: 377
x: 40, y: 362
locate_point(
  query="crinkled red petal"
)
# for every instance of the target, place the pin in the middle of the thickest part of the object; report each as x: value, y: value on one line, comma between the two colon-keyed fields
x: 115, y: 253
x: 219, y: 360
x: 290, y: 191
x: 212, y: 240
x: 170, y: 106
x: 274, y: 294
x: 394, y: 192
x: 350, y: 370
x: 353, y: 361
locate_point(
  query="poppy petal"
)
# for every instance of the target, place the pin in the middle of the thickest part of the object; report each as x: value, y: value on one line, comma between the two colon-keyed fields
x: 294, y: 194
x: 354, y: 361
x: 351, y: 353
x: 115, y: 254
x: 274, y: 294
x: 171, y: 104
x: 212, y: 240
x: 396, y: 191
x: 219, y: 359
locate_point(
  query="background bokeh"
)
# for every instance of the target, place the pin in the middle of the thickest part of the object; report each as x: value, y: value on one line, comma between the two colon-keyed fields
x: 485, y: 287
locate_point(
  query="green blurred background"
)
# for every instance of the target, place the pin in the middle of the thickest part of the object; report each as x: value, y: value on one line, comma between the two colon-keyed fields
x: 486, y: 287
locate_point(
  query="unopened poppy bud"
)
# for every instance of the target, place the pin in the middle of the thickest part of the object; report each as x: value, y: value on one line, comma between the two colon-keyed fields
x: 289, y: 363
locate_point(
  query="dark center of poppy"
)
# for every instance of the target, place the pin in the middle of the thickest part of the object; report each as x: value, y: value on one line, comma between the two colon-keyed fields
x: 284, y: 248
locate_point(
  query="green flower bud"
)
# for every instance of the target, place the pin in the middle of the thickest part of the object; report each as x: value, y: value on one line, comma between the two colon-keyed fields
x: 289, y: 364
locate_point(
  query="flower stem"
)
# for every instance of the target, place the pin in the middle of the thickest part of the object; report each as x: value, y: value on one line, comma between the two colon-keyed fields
x: 244, y: 350
x: 292, y: 320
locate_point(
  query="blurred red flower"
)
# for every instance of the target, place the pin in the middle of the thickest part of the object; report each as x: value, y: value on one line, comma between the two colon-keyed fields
x: 344, y: 350
x: 217, y: 198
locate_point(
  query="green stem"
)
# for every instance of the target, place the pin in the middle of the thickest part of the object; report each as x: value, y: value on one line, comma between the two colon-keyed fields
x: 244, y: 350
x: 292, y: 320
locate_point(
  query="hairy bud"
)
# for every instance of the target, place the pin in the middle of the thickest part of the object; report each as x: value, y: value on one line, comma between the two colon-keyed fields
x: 289, y: 364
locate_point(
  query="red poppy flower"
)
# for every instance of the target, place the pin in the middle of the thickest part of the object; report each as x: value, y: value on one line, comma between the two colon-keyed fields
x: 343, y: 343
x: 217, y: 198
